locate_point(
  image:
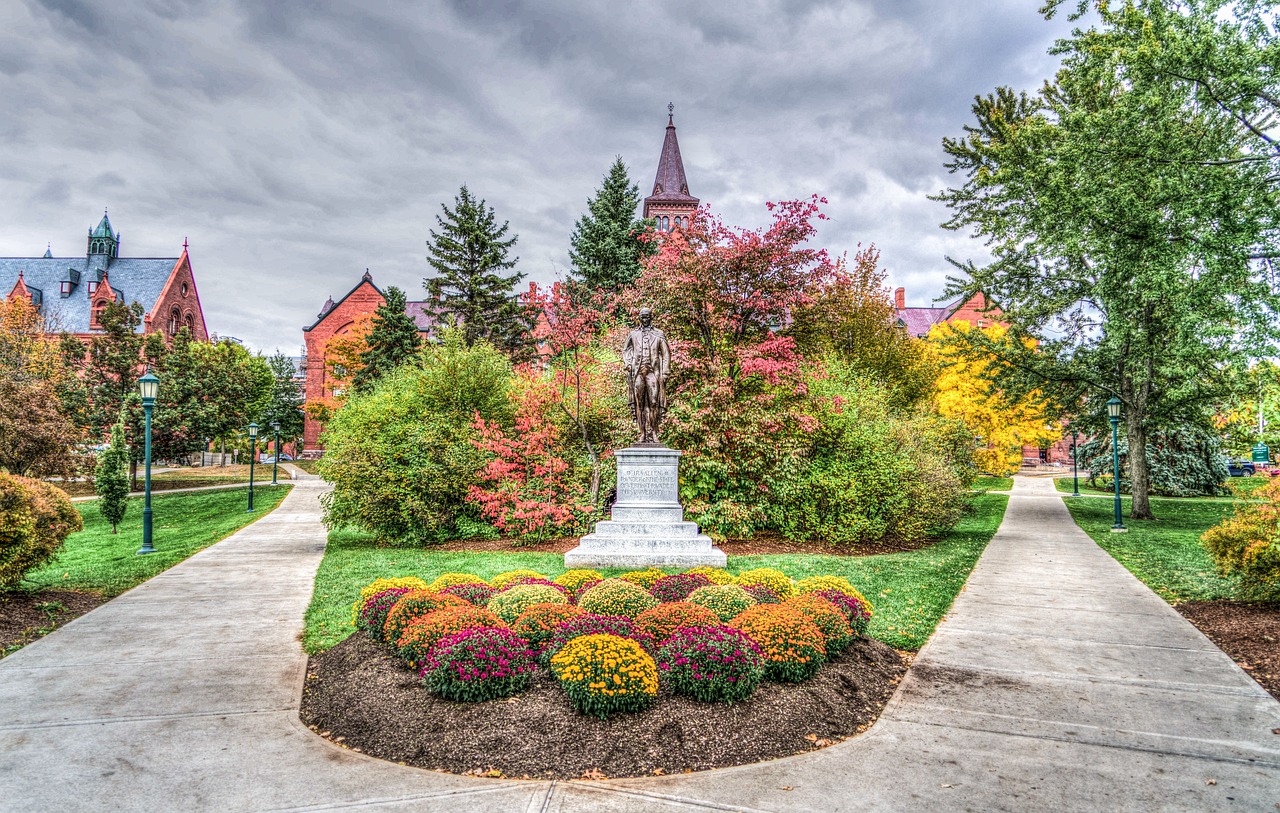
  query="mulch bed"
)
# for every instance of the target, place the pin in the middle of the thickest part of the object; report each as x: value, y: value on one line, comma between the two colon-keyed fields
x: 26, y: 616
x: 1249, y: 632
x: 365, y: 699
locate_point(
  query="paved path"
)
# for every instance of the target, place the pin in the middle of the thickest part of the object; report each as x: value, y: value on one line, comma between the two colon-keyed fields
x: 1056, y: 683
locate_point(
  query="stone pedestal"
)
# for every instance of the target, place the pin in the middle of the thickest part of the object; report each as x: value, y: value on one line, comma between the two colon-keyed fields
x: 647, y: 526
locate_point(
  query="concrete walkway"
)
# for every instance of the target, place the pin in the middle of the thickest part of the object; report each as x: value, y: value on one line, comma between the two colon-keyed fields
x: 1057, y: 683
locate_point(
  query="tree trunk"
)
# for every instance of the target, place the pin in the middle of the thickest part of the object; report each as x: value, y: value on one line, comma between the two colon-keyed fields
x: 133, y: 475
x: 1139, y: 470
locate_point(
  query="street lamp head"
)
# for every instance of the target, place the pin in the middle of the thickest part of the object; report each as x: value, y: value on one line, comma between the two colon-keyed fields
x: 149, y: 388
x: 275, y: 426
x: 1113, y: 408
x: 253, y: 430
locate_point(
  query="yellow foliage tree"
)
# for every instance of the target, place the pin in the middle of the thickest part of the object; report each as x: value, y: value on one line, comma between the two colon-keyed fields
x: 341, y: 363
x: 1004, y: 424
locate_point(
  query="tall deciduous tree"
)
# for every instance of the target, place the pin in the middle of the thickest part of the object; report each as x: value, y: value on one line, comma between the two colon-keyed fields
x: 470, y: 256
x: 393, y: 340
x: 606, y: 246
x: 286, y: 398
x: 112, y: 369
x: 36, y: 435
x: 111, y: 480
x: 1125, y: 206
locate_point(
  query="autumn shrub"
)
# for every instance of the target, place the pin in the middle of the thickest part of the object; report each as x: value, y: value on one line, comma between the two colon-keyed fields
x: 478, y: 664
x: 725, y: 600
x: 452, y: 579
x: 661, y: 621
x: 477, y: 594
x: 712, y: 663
x: 510, y: 603
x: 589, y: 624
x: 606, y: 674
x: 717, y: 575
x: 35, y: 519
x: 559, y: 588
x: 1246, y: 545
x: 413, y: 605
x: 779, y: 583
x: 793, y: 646
x: 372, y: 613
x: 582, y: 588
x: 837, y: 634
x: 616, y: 597
x: 423, y: 632
x: 400, y: 457
x: 677, y: 587
x: 537, y: 623
x: 762, y: 594
x: 378, y: 585
x: 512, y: 576
x: 813, y: 584
x: 645, y: 578
x: 574, y: 578
x: 855, y: 611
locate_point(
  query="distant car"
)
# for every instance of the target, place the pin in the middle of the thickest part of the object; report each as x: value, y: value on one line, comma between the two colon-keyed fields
x: 1240, y: 468
x: 271, y: 458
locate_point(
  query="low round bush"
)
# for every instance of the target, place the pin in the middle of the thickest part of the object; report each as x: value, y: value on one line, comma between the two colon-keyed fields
x: 576, y: 577
x: 478, y: 664
x: 792, y: 645
x: 576, y: 595
x: 477, y: 594
x: 661, y: 621
x: 536, y: 624
x: 836, y: 632
x: 378, y: 585
x: 605, y: 674
x: 678, y: 587
x: 777, y: 581
x: 717, y: 575
x: 762, y: 594
x: 712, y: 663
x: 503, y: 579
x: 855, y: 611
x: 509, y: 603
x: 589, y: 624
x: 422, y: 633
x: 415, y: 604
x: 450, y: 579
x: 727, y: 601
x: 560, y: 588
x: 645, y: 578
x: 373, y: 610
x: 813, y: 584
x: 616, y: 597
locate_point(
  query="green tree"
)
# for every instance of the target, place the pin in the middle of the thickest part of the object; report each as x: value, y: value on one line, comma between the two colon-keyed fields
x: 111, y: 374
x: 393, y: 340
x: 111, y: 480
x: 470, y: 254
x: 286, y: 398
x: 1125, y: 211
x: 605, y: 247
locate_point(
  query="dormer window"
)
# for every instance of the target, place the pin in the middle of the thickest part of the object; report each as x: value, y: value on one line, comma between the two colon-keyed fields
x: 93, y: 286
x: 66, y: 287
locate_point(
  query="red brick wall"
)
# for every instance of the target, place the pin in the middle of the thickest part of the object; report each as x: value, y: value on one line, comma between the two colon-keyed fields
x: 975, y: 311
x: 365, y: 299
x: 179, y: 295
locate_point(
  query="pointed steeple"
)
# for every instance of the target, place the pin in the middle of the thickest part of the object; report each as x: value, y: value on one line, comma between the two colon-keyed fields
x: 103, y: 240
x: 670, y: 199
x: 48, y: 251
x: 20, y: 289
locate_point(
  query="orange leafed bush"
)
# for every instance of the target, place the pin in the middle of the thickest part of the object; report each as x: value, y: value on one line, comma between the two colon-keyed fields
x: 1246, y: 545
x: 662, y: 621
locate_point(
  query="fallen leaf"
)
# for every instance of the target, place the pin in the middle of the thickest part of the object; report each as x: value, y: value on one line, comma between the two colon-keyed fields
x: 1275, y: 731
x: 1211, y: 781
x: 947, y: 786
x: 787, y: 787
x: 594, y: 773
x: 811, y: 737
x: 659, y: 772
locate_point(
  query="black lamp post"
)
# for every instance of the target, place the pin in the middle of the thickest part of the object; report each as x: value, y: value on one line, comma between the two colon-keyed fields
x: 148, y: 388
x: 1113, y: 414
x: 253, y: 454
x: 275, y: 459
x: 1075, y: 462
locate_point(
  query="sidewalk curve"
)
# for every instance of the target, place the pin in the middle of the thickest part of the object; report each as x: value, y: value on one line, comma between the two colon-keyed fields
x: 1057, y: 682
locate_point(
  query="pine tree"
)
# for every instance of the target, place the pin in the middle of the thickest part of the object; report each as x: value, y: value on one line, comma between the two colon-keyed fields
x: 470, y: 254
x: 111, y: 479
x: 393, y: 340
x: 605, y: 247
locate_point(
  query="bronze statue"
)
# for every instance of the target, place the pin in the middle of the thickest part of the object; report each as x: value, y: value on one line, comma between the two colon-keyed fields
x: 648, y: 359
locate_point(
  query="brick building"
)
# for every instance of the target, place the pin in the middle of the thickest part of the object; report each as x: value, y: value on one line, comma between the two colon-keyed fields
x: 976, y: 310
x: 71, y: 292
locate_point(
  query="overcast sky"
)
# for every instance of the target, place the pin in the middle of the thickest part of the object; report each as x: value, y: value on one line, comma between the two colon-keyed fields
x: 296, y: 144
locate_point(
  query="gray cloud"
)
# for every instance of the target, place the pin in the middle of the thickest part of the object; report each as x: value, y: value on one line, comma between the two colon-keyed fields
x: 297, y: 143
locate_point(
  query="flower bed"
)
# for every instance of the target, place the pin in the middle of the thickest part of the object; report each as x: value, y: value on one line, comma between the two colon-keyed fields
x: 611, y: 643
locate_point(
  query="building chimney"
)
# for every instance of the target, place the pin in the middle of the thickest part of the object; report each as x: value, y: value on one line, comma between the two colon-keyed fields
x: 900, y: 298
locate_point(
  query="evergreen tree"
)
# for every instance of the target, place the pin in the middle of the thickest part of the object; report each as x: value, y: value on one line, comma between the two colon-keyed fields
x: 393, y: 340
x: 470, y: 256
x: 286, y: 398
x: 605, y: 247
x: 111, y: 480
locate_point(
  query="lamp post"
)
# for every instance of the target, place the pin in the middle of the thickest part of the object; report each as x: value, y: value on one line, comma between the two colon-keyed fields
x: 1075, y: 462
x: 253, y: 454
x: 1113, y: 414
x: 275, y: 459
x: 148, y: 388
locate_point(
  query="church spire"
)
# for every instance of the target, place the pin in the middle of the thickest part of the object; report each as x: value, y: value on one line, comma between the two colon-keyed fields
x: 103, y: 240
x: 670, y: 205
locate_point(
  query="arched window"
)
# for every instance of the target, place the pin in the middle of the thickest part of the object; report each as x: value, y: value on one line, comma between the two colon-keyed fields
x: 190, y: 322
x: 98, y: 308
x: 174, y: 316
x: 666, y: 224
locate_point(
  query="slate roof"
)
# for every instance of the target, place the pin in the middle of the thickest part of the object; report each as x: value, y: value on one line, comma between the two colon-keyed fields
x: 918, y: 321
x: 134, y: 279
x: 670, y: 185
x: 421, y: 315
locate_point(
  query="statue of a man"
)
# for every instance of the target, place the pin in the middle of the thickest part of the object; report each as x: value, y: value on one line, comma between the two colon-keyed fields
x: 648, y: 359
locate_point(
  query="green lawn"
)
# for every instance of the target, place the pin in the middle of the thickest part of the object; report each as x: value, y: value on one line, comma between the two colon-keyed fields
x: 95, y: 560
x: 911, y: 591
x: 1241, y: 485
x: 987, y: 483
x: 1165, y: 554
